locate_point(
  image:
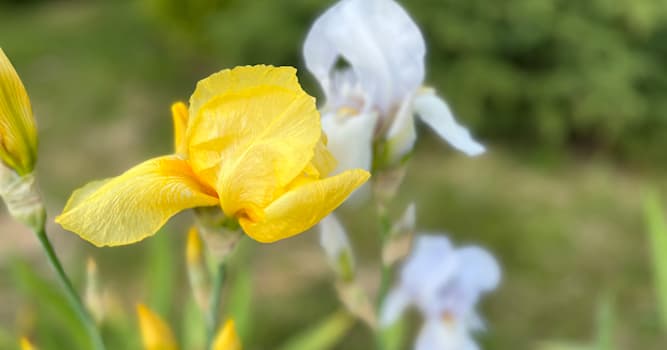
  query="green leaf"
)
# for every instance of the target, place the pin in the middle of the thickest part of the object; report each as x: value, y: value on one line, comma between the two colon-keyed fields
x: 160, y: 271
x: 323, y: 335
x: 57, y: 326
x: 393, y: 337
x: 240, y: 302
x: 657, y: 229
x: 605, y: 324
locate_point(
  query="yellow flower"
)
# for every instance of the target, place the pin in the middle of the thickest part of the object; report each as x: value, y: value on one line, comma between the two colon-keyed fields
x: 227, y: 338
x: 250, y: 141
x: 155, y: 333
x: 18, y: 135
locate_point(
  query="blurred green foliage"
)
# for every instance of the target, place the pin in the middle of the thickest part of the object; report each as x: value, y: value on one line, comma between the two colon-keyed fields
x: 545, y: 74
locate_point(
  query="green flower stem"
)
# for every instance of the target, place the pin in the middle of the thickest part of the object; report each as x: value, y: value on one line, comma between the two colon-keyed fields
x: 216, y: 300
x: 71, y: 294
x: 384, y: 230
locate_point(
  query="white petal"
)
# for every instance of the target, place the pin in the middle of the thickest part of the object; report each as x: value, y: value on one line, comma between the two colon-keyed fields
x: 333, y: 237
x: 480, y: 270
x: 393, y: 306
x: 434, y: 111
x: 402, y: 135
x: 436, y: 335
x: 378, y: 39
x: 350, y: 139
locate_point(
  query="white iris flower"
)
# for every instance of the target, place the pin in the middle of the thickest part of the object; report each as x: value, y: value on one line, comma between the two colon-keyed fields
x: 377, y: 96
x: 445, y: 284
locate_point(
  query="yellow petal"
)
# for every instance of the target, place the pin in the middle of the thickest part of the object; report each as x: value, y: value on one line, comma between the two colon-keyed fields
x: 254, y: 137
x: 323, y: 162
x: 227, y: 338
x: 304, y: 206
x: 155, y: 333
x: 26, y: 344
x: 179, y: 113
x: 18, y: 135
x: 134, y: 205
x: 239, y: 79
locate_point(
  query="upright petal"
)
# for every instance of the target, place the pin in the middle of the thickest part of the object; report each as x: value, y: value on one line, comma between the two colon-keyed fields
x: 227, y: 338
x: 134, y: 205
x: 254, y: 137
x: 239, y: 79
x: 351, y: 139
x: 434, y: 111
x: 179, y: 113
x: 155, y: 333
x: 18, y: 134
x: 303, y: 207
x: 378, y: 39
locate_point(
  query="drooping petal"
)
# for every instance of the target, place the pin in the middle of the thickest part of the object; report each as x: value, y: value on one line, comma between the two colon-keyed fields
x: 254, y: 137
x: 351, y: 139
x: 134, y: 205
x: 436, y: 334
x: 393, y: 306
x: 155, y: 333
x: 179, y: 113
x: 434, y: 111
x: 379, y: 40
x: 227, y: 338
x: 302, y: 207
x: 18, y: 134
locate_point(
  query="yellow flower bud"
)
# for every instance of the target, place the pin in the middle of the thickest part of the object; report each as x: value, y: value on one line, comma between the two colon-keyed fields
x: 227, y: 338
x: 18, y: 135
x: 198, y: 274
x: 26, y: 344
x: 155, y: 333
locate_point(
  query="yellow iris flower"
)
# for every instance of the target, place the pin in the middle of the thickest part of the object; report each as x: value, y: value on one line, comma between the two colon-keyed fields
x: 250, y: 141
x: 18, y: 134
x: 156, y: 334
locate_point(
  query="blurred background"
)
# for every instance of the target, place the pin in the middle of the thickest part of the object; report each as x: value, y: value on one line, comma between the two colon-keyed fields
x: 570, y: 97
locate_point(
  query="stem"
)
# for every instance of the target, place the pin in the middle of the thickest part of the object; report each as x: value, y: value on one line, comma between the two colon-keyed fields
x: 384, y: 230
x: 216, y: 299
x: 71, y: 294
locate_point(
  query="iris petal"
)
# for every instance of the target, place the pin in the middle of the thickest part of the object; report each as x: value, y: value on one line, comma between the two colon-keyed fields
x: 304, y: 206
x: 134, y: 205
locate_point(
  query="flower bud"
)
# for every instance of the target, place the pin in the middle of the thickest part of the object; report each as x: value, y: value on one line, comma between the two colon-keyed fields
x: 93, y: 293
x: 26, y: 344
x: 22, y: 198
x: 337, y: 247
x: 198, y: 274
x: 18, y: 134
x: 399, y: 242
x: 220, y: 233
